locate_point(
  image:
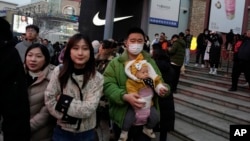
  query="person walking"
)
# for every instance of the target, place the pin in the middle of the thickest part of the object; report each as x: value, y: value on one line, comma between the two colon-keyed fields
x: 177, y: 54
x: 201, y: 48
x: 74, y: 91
x: 166, y: 104
x: 105, y: 54
x: 156, y: 39
x: 214, y: 52
x: 142, y: 80
x: 14, y: 102
x: 32, y: 32
x: 49, y: 46
x: 38, y: 72
x: 188, y: 39
x: 115, y: 85
x: 243, y: 63
x: 229, y: 40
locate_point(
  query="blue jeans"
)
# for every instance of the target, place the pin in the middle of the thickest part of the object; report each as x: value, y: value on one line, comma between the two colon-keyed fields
x: 62, y: 135
x: 187, y: 56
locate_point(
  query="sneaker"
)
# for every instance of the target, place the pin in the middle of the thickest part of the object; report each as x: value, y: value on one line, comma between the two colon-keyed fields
x: 214, y: 72
x: 245, y: 85
x: 210, y: 72
x: 148, y: 132
x: 196, y: 65
x: 123, y: 136
x: 202, y: 66
x: 183, y: 72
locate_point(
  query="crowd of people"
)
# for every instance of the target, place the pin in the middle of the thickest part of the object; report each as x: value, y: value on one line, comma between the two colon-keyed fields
x: 64, y: 92
x: 210, y: 49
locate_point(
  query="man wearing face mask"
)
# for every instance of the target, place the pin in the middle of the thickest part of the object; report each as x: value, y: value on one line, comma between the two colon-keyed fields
x: 115, y: 85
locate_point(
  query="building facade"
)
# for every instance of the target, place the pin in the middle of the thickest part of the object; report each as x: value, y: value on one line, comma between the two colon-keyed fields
x: 195, y: 14
x: 58, y: 17
x: 4, y: 5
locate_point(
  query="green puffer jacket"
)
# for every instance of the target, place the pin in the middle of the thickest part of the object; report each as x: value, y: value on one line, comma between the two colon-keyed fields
x: 115, y: 86
x: 177, y: 52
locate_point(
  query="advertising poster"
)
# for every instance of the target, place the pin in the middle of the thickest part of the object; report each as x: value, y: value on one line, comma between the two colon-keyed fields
x: 226, y: 15
x: 165, y: 12
x: 20, y: 22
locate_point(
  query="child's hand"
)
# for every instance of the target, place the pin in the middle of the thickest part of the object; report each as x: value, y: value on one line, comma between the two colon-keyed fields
x: 134, y: 100
x: 163, y: 91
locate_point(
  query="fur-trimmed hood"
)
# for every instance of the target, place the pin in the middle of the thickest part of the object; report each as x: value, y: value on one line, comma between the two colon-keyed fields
x: 152, y: 73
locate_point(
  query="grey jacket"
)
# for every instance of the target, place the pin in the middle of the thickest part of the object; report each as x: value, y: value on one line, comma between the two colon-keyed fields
x: 22, y: 47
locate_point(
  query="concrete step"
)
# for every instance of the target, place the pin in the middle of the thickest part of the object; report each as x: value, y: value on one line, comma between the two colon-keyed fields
x: 203, y: 120
x: 220, y: 71
x: 219, y: 77
x: 215, y: 98
x: 227, y: 113
x: 204, y: 106
x: 214, y: 82
x: 224, y: 64
x: 245, y: 96
x: 170, y: 137
x: 190, y: 132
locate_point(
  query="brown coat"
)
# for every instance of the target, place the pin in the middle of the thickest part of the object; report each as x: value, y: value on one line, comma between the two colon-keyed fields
x: 40, y: 120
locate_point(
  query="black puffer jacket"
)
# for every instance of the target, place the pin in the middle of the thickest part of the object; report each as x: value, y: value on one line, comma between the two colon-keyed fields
x: 14, y: 104
x: 244, y: 51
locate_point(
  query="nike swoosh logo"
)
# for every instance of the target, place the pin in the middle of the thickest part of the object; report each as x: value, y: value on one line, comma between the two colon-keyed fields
x: 99, y: 22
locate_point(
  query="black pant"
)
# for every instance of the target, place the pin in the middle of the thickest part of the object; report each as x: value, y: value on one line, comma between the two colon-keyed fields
x: 200, y: 56
x: 135, y: 133
x: 238, y: 68
x: 167, y: 116
x: 177, y: 70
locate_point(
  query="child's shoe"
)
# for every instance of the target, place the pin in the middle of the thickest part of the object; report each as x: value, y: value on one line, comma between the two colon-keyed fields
x: 123, y: 136
x: 148, y: 132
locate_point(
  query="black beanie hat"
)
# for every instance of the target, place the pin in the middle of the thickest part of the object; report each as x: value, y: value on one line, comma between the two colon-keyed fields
x: 5, y: 32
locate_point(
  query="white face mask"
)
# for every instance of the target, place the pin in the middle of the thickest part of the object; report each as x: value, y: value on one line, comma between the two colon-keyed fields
x: 135, y: 49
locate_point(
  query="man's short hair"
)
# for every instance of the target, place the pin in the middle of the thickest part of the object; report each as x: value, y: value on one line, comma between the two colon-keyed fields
x: 175, y: 36
x: 181, y: 34
x: 36, y: 28
x: 135, y: 30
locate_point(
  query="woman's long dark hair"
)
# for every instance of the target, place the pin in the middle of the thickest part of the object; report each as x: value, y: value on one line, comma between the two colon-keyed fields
x: 159, y: 53
x: 44, y: 51
x: 68, y: 64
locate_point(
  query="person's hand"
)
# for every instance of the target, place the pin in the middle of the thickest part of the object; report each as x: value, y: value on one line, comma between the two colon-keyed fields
x: 102, y: 103
x: 134, y: 100
x: 163, y: 91
x: 58, y: 97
